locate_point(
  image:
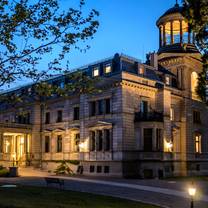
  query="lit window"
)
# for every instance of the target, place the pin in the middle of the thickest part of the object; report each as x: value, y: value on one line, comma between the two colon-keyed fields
x: 171, y: 114
x: 198, y: 143
x: 141, y: 70
x: 168, y: 33
x: 194, y: 82
x: 95, y: 72
x: 107, y: 68
x: 176, y: 31
x: 167, y: 80
x: 185, y: 31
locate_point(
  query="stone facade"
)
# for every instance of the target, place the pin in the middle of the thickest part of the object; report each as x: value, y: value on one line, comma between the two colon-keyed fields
x: 147, y: 122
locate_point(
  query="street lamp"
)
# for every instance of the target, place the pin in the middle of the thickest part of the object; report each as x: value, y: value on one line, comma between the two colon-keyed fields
x: 192, y: 193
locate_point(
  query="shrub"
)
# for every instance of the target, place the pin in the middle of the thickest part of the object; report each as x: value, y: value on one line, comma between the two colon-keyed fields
x: 4, y: 172
x: 63, y: 168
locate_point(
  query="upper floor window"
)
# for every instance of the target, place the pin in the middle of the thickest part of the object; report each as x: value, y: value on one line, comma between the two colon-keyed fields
x: 185, y: 31
x: 198, y: 143
x: 141, y: 70
x: 93, y: 108
x: 107, y: 68
x: 167, y: 80
x: 95, y: 72
x: 59, y: 143
x: 59, y: 116
x: 47, y: 144
x: 196, y: 117
x: 194, y: 82
x: 47, y: 118
x: 144, y: 107
x: 23, y: 118
x: 100, y: 107
x: 107, y: 105
x: 76, y: 113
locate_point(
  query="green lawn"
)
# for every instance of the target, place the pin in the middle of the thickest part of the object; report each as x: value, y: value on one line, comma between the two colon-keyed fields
x: 35, y: 197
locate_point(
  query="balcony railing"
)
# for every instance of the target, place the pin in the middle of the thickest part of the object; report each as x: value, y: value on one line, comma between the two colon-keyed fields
x: 15, y: 125
x: 149, y: 116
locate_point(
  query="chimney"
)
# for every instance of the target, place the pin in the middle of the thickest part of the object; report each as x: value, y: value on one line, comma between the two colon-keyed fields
x: 154, y: 60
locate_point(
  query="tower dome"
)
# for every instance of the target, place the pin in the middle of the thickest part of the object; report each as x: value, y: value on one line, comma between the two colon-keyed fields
x: 175, y: 32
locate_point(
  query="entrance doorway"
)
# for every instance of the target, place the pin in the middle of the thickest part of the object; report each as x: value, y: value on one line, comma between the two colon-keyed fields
x: 16, y: 147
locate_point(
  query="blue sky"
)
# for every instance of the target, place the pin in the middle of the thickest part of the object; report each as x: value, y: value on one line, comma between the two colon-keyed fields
x: 126, y: 26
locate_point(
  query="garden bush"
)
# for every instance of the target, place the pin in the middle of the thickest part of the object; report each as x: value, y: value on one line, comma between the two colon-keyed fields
x: 4, y: 172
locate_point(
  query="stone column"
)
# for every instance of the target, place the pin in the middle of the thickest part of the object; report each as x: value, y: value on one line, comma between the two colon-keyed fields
x: 181, y: 32
x: 171, y: 31
x: 164, y: 36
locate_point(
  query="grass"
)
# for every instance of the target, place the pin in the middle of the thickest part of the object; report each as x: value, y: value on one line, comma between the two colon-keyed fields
x: 36, y: 197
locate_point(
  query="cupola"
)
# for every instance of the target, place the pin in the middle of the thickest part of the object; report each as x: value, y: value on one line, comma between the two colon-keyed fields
x: 174, y: 32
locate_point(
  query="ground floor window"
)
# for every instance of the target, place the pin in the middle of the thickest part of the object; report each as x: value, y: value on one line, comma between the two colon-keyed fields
x: 100, y: 140
x: 76, y: 142
x: 147, y: 139
x: 59, y: 143
x: 198, y: 143
x: 47, y: 144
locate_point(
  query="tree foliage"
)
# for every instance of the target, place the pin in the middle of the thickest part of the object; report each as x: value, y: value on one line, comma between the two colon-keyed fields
x: 31, y: 30
x: 196, y: 13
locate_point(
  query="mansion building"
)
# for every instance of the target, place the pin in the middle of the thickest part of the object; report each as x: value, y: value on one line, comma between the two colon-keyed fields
x: 147, y: 122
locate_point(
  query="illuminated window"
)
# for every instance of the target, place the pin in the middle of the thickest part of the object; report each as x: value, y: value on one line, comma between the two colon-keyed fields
x: 168, y: 33
x: 95, y: 72
x: 198, y: 143
x: 141, y: 70
x: 176, y: 32
x: 167, y: 80
x: 194, y: 82
x: 107, y: 68
x: 185, y: 31
x: 7, y: 143
x: 171, y: 114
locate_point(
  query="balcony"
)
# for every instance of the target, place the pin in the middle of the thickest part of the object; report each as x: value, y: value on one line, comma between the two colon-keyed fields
x: 149, y: 116
x: 15, y: 125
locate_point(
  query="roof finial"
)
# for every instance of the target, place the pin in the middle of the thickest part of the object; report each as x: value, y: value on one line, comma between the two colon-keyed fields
x: 176, y: 3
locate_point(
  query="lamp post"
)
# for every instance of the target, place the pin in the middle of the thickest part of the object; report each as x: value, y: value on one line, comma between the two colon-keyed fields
x: 192, y: 193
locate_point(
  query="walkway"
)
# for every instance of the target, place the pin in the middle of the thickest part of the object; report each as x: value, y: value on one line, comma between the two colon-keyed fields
x: 164, y: 193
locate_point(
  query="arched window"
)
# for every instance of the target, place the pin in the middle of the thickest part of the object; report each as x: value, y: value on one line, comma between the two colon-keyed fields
x: 168, y: 33
x: 185, y: 31
x: 176, y: 31
x: 194, y: 82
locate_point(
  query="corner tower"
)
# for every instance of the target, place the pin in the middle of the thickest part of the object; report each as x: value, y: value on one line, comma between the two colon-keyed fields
x: 174, y: 32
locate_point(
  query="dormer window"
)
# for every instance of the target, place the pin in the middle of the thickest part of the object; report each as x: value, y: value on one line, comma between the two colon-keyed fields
x: 141, y: 70
x: 167, y: 80
x: 95, y: 72
x: 107, y: 68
